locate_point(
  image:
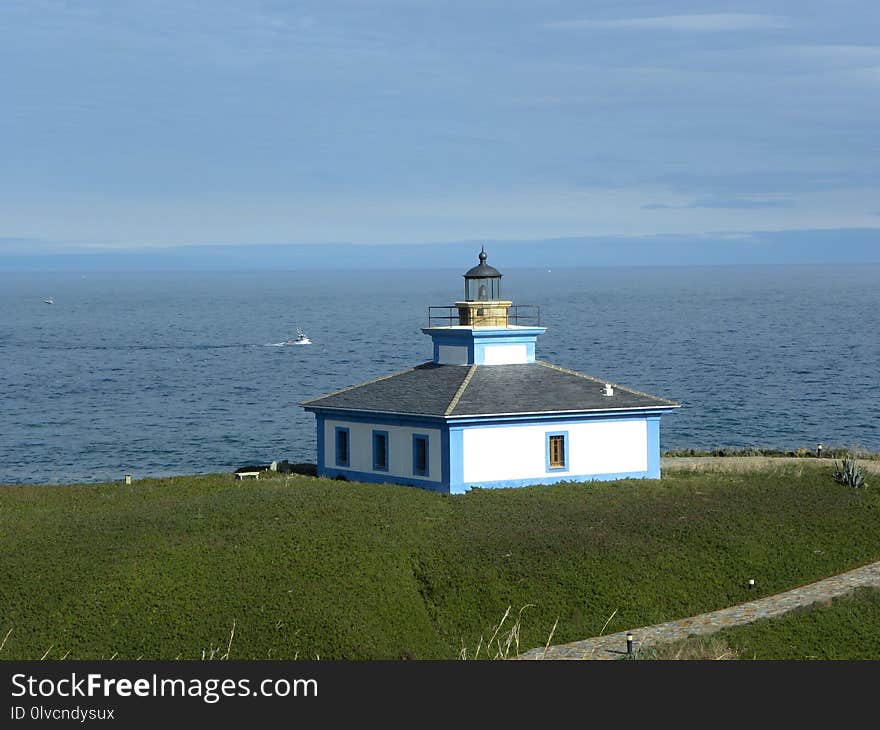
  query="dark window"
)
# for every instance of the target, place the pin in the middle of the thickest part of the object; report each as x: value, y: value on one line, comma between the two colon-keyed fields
x: 341, y: 446
x: 420, y: 455
x: 380, y: 450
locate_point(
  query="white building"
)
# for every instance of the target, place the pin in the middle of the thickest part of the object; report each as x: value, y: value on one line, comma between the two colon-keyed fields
x: 484, y: 412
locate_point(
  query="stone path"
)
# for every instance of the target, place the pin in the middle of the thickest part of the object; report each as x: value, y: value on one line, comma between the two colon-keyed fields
x: 613, y: 646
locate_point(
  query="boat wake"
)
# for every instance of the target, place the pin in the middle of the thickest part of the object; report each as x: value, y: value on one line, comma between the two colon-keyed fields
x: 288, y: 343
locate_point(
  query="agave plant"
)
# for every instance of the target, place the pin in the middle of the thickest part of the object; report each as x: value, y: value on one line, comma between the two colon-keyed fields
x: 848, y: 474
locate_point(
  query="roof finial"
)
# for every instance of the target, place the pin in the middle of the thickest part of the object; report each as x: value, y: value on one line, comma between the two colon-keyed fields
x: 482, y: 256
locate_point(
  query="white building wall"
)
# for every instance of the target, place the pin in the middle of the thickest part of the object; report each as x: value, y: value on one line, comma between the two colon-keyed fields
x: 505, y: 354
x: 400, y: 448
x: 497, y: 453
x: 452, y: 355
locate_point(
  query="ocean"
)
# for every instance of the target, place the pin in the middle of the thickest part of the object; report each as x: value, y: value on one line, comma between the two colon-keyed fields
x: 157, y: 374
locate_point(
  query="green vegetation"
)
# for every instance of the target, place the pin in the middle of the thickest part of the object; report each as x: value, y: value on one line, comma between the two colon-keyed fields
x: 845, y: 628
x: 849, y: 474
x: 308, y: 567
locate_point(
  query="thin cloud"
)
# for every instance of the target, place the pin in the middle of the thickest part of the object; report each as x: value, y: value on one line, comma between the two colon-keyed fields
x: 706, y: 22
x: 822, y: 54
x: 722, y: 203
x: 741, y: 203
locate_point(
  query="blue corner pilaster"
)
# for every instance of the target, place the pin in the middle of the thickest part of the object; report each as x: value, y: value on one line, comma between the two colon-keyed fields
x: 444, y: 457
x: 456, y: 461
x: 319, y: 418
x: 653, y: 447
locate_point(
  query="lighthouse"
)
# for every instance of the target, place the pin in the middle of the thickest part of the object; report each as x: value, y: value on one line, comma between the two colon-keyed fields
x: 484, y: 411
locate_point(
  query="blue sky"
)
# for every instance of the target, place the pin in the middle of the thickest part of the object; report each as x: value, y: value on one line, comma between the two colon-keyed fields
x: 129, y: 124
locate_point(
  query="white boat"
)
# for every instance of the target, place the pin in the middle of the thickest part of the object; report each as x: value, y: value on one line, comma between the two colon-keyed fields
x: 49, y: 300
x: 301, y: 338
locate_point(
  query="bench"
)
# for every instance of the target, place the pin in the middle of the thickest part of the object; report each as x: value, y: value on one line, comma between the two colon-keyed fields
x: 239, y: 475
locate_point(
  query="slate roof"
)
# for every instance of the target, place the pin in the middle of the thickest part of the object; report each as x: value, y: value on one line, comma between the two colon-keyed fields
x: 477, y: 390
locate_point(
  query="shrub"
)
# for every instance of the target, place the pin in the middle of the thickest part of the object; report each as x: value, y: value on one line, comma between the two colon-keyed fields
x: 849, y: 474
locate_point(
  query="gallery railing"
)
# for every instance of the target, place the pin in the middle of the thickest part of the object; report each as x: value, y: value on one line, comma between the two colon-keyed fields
x: 520, y: 315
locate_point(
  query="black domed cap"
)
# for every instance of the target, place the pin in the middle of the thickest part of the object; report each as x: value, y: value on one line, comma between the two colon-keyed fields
x: 483, y: 270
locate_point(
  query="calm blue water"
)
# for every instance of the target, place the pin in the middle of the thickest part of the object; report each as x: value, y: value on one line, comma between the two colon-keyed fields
x: 171, y: 373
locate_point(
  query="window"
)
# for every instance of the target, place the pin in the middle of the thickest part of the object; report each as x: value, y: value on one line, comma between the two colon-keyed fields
x: 557, y: 451
x: 342, y: 450
x: 420, y: 455
x: 380, y: 450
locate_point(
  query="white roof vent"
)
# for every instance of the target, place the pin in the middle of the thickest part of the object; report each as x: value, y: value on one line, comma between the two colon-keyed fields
x: 608, y: 391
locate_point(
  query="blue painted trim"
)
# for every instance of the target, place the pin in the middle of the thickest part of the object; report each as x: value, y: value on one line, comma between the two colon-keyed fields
x: 459, y: 336
x: 338, y: 461
x: 387, y: 449
x: 456, y: 461
x: 381, y: 419
x: 550, y: 479
x: 653, y: 448
x: 382, y: 478
x: 444, y: 456
x: 504, y: 333
x: 388, y: 419
x: 319, y: 418
x: 506, y: 419
x: 483, y: 333
x: 565, y: 461
x: 395, y: 419
x: 509, y: 339
x: 426, y: 472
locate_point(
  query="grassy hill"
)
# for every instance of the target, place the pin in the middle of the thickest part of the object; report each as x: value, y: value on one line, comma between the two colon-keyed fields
x: 306, y: 567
